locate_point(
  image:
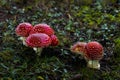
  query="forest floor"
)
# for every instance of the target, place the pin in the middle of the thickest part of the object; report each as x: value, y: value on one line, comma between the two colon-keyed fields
x: 72, y: 23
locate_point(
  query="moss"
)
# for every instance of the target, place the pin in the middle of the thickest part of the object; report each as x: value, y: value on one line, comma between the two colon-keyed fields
x: 117, y: 47
x: 6, y: 54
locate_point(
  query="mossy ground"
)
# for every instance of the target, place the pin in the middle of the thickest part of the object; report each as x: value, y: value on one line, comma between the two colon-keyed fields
x: 72, y: 21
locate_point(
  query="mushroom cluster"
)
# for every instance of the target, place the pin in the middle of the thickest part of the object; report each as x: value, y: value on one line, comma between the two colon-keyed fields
x: 42, y: 35
x: 37, y: 37
x: 91, y: 51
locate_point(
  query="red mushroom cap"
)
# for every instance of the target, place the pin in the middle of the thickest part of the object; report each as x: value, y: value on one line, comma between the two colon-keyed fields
x: 42, y: 28
x: 79, y: 47
x: 23, y: 29
x: 38, y: 40
x: 55, y: 40
x: 94, y: 51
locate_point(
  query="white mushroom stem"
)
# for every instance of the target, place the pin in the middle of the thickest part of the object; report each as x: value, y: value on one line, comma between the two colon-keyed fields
x: 93, y: 64
x: 38, y: 50
x: 23, y: 40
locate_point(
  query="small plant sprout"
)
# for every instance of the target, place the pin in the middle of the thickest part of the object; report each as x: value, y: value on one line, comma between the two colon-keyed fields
x: 93, y: 54
x: 38, y: 41
x: 23, y: 30
x: 79, y: 48
x: 42, y: 28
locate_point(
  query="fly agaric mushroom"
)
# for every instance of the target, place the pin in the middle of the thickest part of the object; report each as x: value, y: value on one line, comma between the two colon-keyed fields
x: 79, y: 48
x: 42, y: 28
x: 94, y: 52
x: 38, y: 41
x: 55, y: 40
x: 23, y: 30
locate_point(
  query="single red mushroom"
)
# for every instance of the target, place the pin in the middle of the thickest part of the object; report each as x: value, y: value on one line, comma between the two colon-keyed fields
x: 94, y: 53
x: 38, y: 41
x: 79, y: 48
x: 23, y: 30
x: 42, y: 28
x: 55, y: 40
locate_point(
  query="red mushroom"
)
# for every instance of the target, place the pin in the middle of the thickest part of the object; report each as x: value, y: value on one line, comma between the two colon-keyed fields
x: 23, y: 30
x: 55, y: 40
x: 79, y: 48
x: 42, y: 28
x: 94, y: 53
x: 38, y: 41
